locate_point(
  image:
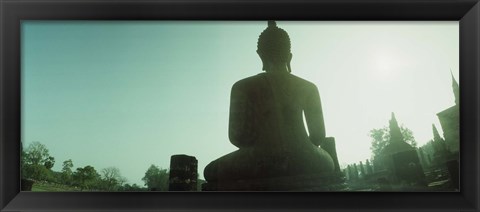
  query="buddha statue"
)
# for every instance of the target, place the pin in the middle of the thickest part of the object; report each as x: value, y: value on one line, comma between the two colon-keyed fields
x: 266, y: 121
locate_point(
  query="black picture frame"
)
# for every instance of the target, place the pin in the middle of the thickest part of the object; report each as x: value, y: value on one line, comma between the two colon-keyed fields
x: 12, y: 12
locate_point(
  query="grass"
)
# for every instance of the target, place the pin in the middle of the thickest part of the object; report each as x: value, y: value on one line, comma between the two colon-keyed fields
x: 48, y: 187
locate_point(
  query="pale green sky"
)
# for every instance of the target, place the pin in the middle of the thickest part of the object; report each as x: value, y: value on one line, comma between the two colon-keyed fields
x: 132, y: 93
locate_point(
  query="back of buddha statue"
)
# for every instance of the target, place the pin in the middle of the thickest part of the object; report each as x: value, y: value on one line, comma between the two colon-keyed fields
x: 266, y: 120
x: 267, y: 110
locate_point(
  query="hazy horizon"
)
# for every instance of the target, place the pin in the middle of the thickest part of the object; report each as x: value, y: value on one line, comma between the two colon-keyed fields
x: 130, y: 94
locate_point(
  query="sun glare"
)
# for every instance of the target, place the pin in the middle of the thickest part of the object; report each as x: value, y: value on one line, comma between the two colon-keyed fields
x: 384, y: 65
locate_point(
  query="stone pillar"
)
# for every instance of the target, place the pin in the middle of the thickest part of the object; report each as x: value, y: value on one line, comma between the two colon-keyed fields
x: 329, y: 146
x: 26, y: 185
x: 183, y: 173
x: 362, y: 170
x: 350, y: 173
x: 355, y: 171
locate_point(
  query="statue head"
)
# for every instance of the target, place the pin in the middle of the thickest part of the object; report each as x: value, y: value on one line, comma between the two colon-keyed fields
x: 273, y: 47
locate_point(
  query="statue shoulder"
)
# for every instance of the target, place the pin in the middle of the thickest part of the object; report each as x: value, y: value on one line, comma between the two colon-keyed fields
x: 304, y: 83
x: 248, y: 82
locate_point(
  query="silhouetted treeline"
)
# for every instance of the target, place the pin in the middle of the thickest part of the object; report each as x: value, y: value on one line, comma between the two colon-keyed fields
x: 37, y: 163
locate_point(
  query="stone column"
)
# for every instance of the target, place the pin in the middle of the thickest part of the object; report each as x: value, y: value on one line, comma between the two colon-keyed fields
x: 26, y: 185
x: 355, y: 171
x: 183, y: 173
x: 362, y: 170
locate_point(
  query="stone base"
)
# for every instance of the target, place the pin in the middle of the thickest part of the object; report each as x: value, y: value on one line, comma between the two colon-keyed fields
x: 26, y: 185
x: 334, y: 182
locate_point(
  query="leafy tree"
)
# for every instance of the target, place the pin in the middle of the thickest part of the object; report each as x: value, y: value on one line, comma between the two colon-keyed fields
x: 112, y: 179
x: 37, y: 162
x: 49, y: 162
x: 156, y: 179
x: 134, y: 187
x: 126, y: 187
x: 86, y: 177
x: 381, y: 137
x: 428, y: 150
x: 36, y: 172
x: 37, y: 153
x: 199, y: 183
x: 67, y: 166
x: 66, y: 176
x: 56, y: 177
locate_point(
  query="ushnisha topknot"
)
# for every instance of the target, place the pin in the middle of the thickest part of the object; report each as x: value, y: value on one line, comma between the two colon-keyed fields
x: 272, y: 24
x: 274, y: 44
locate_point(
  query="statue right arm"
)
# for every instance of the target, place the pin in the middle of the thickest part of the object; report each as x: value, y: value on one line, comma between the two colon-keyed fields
x: 241, y: 130
x: 314, y: 117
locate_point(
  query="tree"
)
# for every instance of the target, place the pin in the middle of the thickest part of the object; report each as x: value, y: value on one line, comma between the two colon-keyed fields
x: 199, y: 183
x: 36, y: 154
x: 156, y: 179
x: 369, y: 167
x: 134, y: 187
x: 381, y: 137
x: 37, y: 162
x: 36, y: 172
x: 66, y: 177
x: 112, y: 178
x: 49, y: 162
x: 67, y: 166
x: 86, y: 177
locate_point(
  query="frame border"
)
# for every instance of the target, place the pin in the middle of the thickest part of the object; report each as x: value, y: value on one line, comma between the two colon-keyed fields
x: 12, y: 12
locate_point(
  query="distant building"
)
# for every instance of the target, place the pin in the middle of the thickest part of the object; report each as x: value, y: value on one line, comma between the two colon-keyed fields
x: 399, y: 159
x: 450, y: 121
x: 397, y: 143
x: 440, y: 152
